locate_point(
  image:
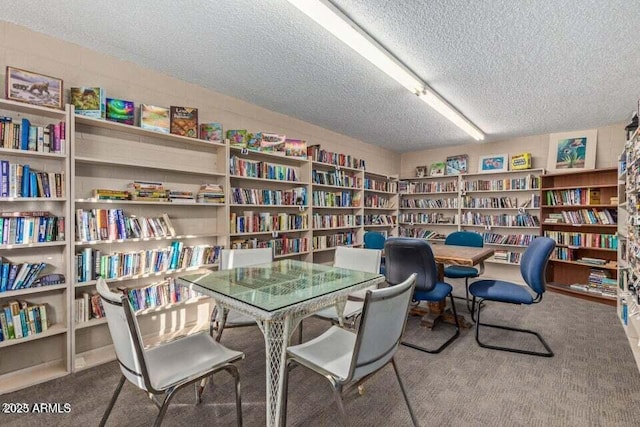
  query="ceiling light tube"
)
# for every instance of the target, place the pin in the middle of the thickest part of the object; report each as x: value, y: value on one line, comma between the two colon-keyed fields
x: 443, y: 107
x: 338, y: 24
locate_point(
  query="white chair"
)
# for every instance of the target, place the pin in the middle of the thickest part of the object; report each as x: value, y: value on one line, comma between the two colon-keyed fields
x: 234, y: 258
x: 367, y: 260
x: 346, y: 358
x: 165, y: 368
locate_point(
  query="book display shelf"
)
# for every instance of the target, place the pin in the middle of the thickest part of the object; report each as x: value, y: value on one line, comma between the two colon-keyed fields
x: 579, y: 211
x: 381, y: 203
x: 270, y: 203
x: 35, y: 287
x: 628, y: 300
x: 147, y: 206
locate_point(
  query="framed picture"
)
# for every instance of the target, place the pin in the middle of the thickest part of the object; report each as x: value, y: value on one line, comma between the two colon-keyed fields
x: 572, y: 150
x: 421, y: 171
x: 457, y: 165
x: 494, y: 163
x: 33, y: 88
x: 438, y: 169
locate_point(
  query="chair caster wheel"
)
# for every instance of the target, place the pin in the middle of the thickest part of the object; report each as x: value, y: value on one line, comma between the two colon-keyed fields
x: 361, y: 390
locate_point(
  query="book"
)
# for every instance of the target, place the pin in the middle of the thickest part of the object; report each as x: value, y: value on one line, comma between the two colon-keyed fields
x: 154, y: 118
x: 119, y: 110
x: 271, y: 142
x: 237, y: 137
x: 521, y: 161
x: 89, y: 101
x: 211, y: 132
x: 184, y: 121
x: 295, y: 148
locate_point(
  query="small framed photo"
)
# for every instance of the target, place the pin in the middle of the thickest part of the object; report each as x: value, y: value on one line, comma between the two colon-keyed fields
x: 493, y: 163
x: 421, y: 171
x: 33, y: 88
x: 457, y: 165
x: 438, y: 169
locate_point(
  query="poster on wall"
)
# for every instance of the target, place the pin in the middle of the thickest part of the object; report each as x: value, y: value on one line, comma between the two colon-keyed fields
x: 457, y: 165
x: 572, y: 150
x: 493, y: 163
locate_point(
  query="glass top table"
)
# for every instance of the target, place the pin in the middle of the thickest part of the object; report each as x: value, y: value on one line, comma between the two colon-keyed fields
x: 278, y: 296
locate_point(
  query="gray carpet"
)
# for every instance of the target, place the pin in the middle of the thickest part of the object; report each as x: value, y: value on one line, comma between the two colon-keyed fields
x: 592, y: 381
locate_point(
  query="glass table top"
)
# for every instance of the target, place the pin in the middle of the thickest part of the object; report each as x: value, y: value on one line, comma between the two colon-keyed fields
x: 279, y: 284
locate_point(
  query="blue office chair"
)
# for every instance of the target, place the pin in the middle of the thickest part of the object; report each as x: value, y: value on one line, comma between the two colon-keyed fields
x: 533, y: 269
x: 375, y: 240
x: 464, y: 238
x: 406, y: 256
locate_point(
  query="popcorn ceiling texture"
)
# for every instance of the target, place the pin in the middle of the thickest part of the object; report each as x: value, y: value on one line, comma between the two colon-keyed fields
x: 514, y: 69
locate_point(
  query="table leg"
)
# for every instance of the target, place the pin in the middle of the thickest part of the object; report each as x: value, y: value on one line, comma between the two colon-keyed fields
x: 340, y: 304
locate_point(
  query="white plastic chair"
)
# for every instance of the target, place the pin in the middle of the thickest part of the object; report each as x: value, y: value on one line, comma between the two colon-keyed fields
x: 346, y: 358
x: 165, y: 368
x: 235, y: 258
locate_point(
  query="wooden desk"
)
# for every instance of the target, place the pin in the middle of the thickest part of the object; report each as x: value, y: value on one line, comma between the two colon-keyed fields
x: 451, y: 255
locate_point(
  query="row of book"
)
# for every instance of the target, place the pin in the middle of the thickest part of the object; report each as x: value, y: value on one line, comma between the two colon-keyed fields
x: 508, y: 239
x: 380, y: 185
x: 88, y: 307
x: 529, y: 182
x: 19, y: 319
x: 24, y: 136
x: 420, y: 233
x: 261, y: 196
x: 31, y: 227
x: 507, y: 256
x: 380, y: 220
x: 504, y: 220
x: 336, y: 177
x: 256, y: 169
x: 255, y: 222
x: 408, y: 187
x: 427, y: 218
x: 281, y: 246
x: 333, y: 240
x: 583, y: 216
x: 377, y: 201
x: 588, y: 240
x: 451, y: 203
x: 158, y: 294
x: 319, y: 155
x: 335, y: 199
x: 93, y: 263
x: 601, y: 282
x: 114, y: 224
x: 500, y: 202
x: 577, y: 196
x: 18, y: 180
x: 332, y: 221
x: 19, y: 276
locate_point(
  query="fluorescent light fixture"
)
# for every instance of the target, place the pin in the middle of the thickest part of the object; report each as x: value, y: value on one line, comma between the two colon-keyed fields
x: 338, y: 24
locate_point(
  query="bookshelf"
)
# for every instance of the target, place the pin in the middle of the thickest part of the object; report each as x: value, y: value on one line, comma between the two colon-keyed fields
x: 273, y: 209
x: 381, y: 201
x: 139, y: 245
x: 42, y: 351
x: 628, y: 302
x: 579, y: 211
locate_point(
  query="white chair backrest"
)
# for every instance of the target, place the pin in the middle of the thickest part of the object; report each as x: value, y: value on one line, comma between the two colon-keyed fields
x: 234, y: 258
x: 384, y: 317
x: 125, y: 334
x: 367, y: 260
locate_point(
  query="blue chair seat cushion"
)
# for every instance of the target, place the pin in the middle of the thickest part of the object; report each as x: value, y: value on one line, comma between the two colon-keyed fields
x: 438, y: 293
x: 497, y: 290
x: 460, y: 272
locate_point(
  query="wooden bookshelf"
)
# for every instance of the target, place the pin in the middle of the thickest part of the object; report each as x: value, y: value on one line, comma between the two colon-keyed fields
x: 578, y: 212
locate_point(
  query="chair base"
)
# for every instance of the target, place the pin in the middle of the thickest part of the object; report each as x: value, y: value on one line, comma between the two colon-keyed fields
x: 446, y: 343
x: 548, y: 353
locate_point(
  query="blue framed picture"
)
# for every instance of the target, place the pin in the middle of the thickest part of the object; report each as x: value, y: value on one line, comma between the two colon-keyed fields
x: 493, y: 163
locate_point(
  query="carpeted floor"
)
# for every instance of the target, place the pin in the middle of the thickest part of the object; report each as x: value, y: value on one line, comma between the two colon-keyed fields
x: 591, y: 381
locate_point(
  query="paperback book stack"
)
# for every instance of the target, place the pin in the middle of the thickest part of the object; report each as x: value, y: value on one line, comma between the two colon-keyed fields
x: 210, y: 193
x: 148, y: 191
x: 184, y: 197
x: 102, y: 194
x: 600, y: 282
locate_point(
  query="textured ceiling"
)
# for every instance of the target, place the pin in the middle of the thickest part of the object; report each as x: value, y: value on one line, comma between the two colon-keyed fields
x: 538, y: 67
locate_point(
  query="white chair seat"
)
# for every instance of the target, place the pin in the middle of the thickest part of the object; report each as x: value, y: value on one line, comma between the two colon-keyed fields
x: 331, y: 352
x: 351, y: 308
x: 361, y: 294
x: 187, y: 357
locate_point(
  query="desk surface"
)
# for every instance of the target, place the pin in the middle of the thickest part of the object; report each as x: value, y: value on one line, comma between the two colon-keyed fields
x: 460, y: 255
x: 274, y: 286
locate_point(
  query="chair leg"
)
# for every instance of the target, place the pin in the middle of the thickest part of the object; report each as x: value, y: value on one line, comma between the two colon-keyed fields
x: 285, y: 395
x: 300, y: 332
x: 164, y: 407
x: 548, y: 353
x: 116, y: 393
x: 337, y: 394
x: 404, y: 393
x: 449, y: 341
x: 233, y: 371
x: 466, y: 289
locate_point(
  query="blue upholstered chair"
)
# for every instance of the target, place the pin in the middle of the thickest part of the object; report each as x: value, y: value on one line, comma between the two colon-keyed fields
x: 406, y: 256
x: 375, y: 240
x: 464, y: 238
x: 533, y: 269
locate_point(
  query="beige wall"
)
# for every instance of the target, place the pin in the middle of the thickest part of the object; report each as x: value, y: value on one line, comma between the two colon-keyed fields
x: 77, y: 66
x: 610, y: 144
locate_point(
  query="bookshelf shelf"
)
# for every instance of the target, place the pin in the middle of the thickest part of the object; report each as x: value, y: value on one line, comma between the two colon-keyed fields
x: 241, y: 205
x: 145, y: 239
x: 428, y: 209
x: 369, y: 190
x: 380, y: 225
x: 33, y: 110
x: 380, y: 209
x: 499, y: 209
x: 54, y: 329
x: 323, y: 165
x: 336, y: 207
x: 428, y: 193
x: 32, y: 199
x: 29, y: 291
x: 144, y: 276
x: 291, y: 254
x: 334, y: 187
x: 269, y: 233
x: 333, y: 248
x: 591, y: 296
x: 489, y: 227
x: 275, y: 181
x: 23, y: 378
x: 528, y: 190
x: 495, y: 261
x: 270, y: 157
x: 571, y: 187
x: 31, y: 154
x: 346, y: 227
x: 142, y: 202
x: 32, y: 245
x: 91, y: 323
x: 585, y: 264
x: 143, y: 165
